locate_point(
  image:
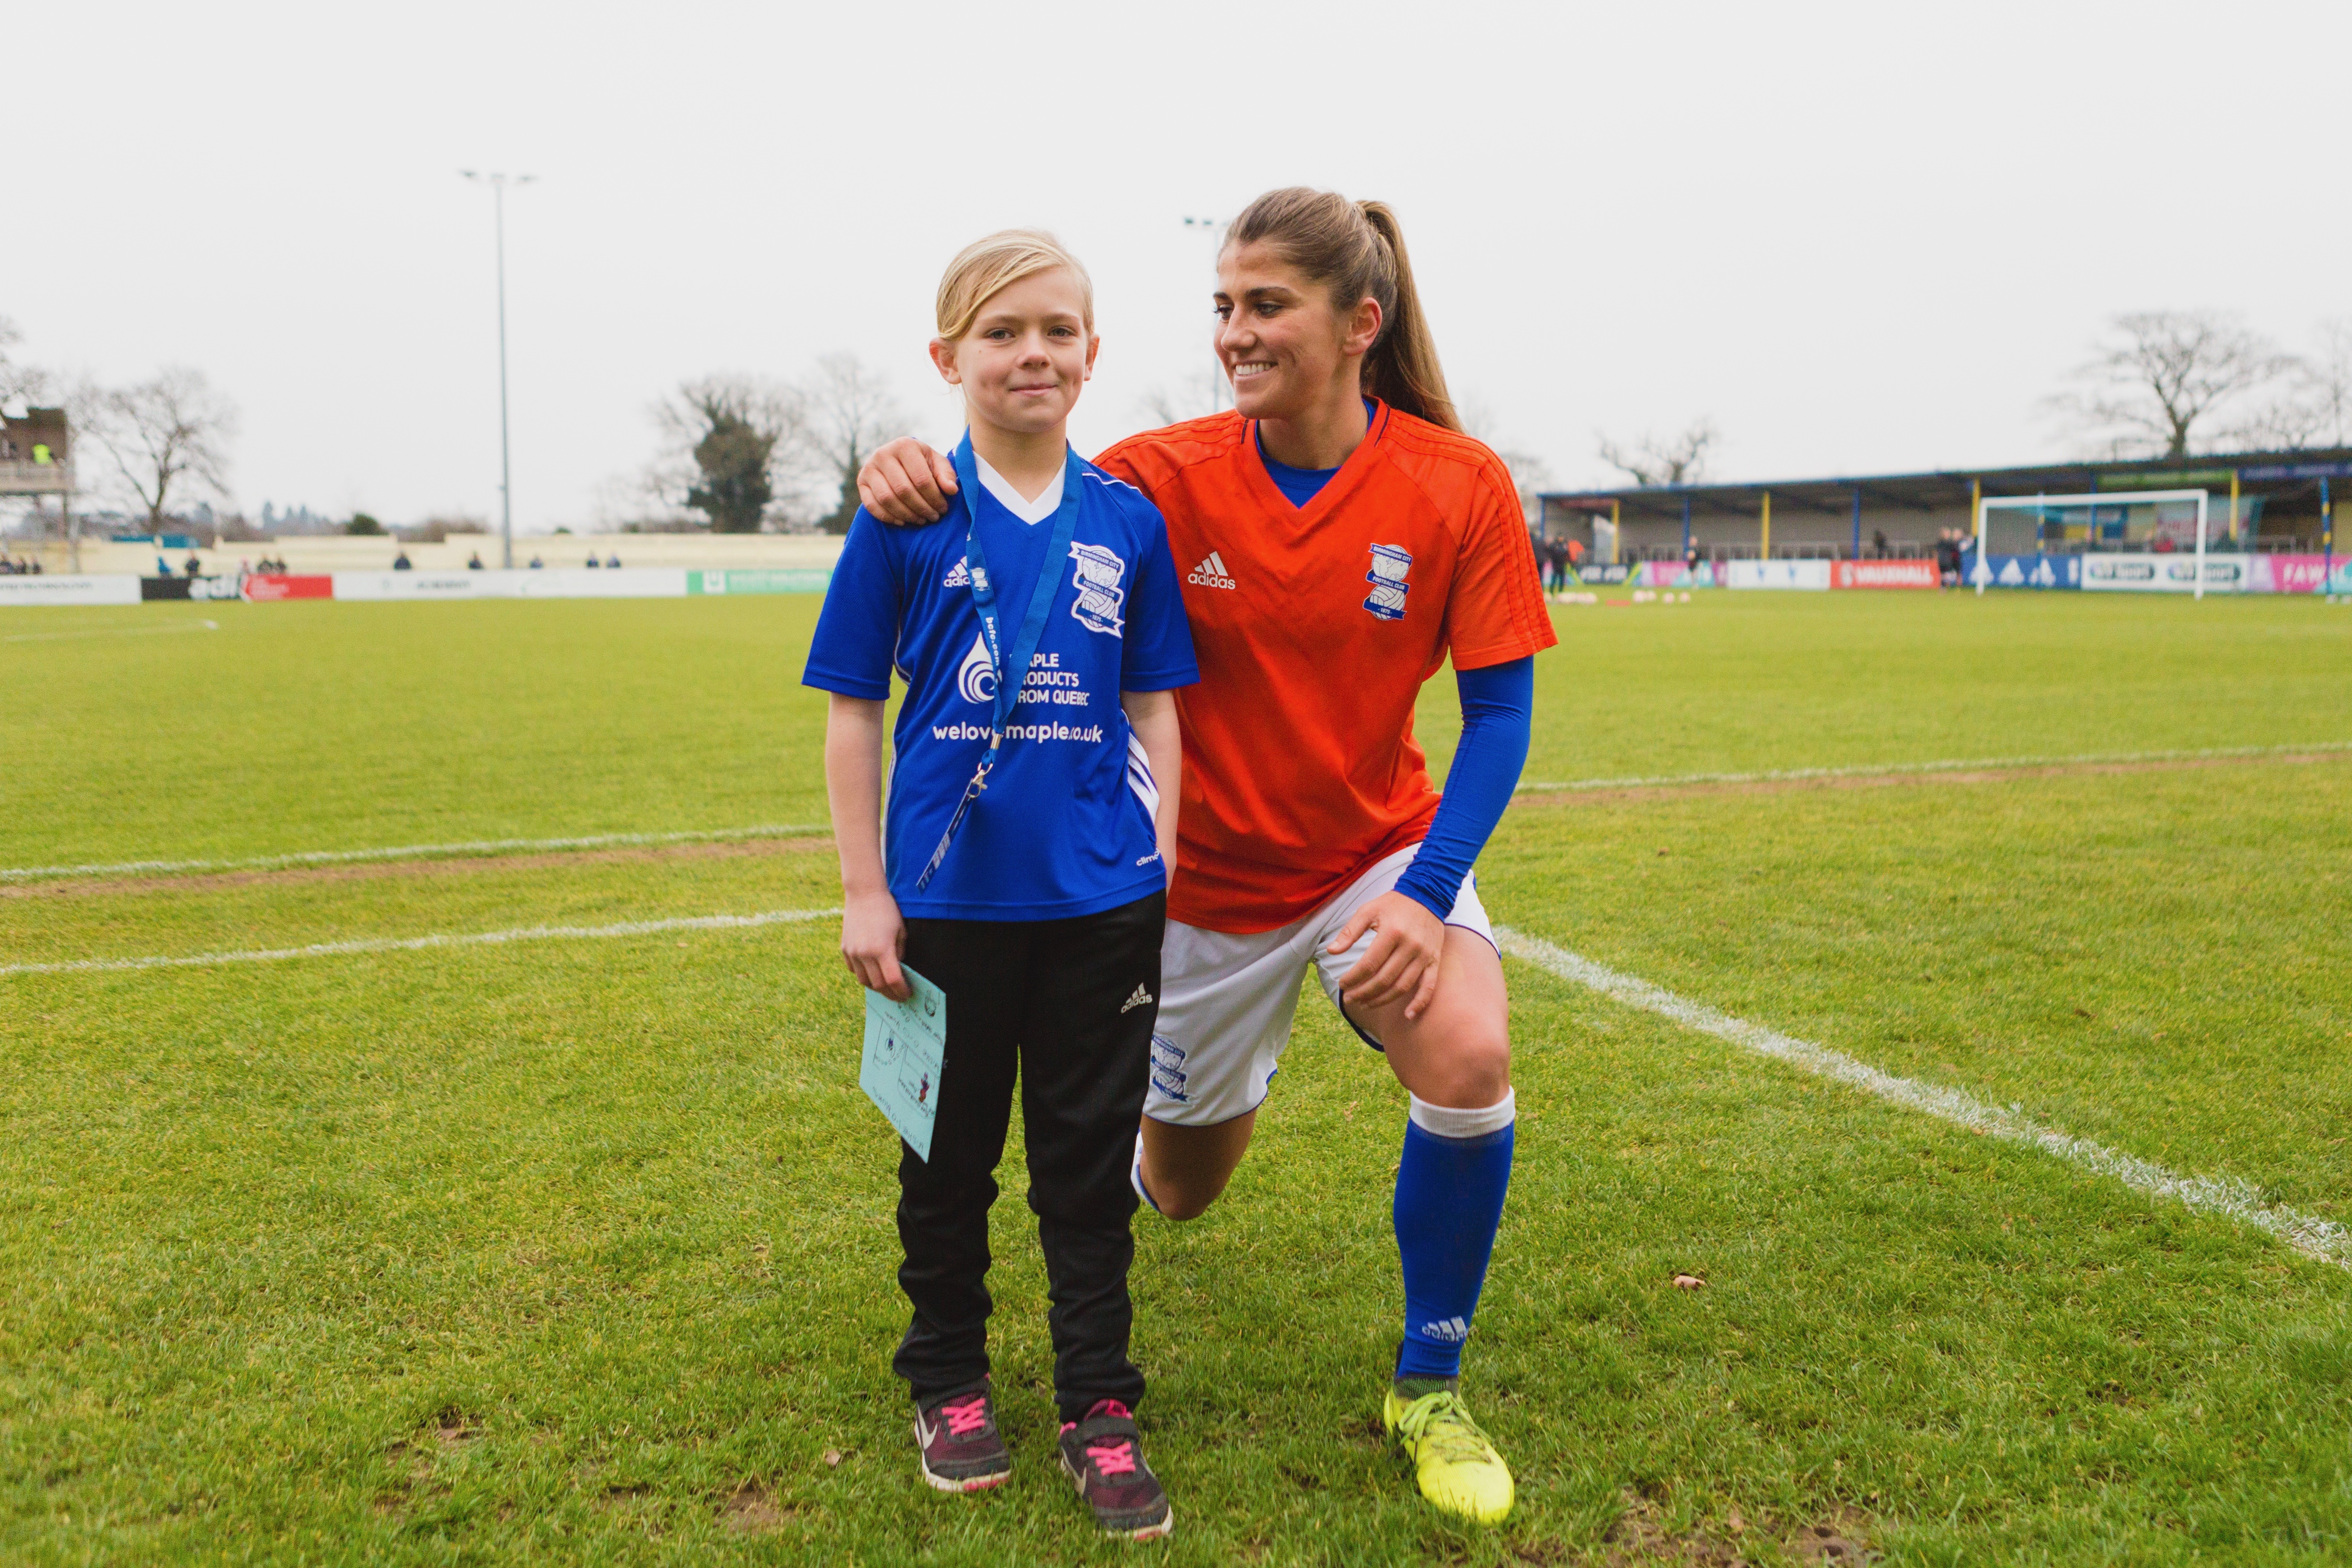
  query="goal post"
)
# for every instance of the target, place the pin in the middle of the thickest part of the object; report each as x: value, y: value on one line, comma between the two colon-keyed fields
x: 2092, y: 514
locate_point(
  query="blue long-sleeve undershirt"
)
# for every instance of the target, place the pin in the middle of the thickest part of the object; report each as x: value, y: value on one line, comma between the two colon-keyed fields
x: 1497, y: 714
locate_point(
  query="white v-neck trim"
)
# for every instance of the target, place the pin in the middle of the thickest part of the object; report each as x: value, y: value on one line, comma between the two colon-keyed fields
x: 1032, y: 512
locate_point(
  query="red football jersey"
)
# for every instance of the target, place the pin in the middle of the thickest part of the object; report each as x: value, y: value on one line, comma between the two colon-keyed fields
x: 1315, y: 627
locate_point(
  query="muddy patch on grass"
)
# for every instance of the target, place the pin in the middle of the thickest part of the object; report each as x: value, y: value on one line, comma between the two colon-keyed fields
x: 410, y: 1461
x: 1839, y: 1539
x: 753, y: 1510
x: 1640, y: 1539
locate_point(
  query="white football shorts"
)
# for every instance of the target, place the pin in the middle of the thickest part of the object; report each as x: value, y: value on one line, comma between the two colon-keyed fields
x: 1226, y: 1002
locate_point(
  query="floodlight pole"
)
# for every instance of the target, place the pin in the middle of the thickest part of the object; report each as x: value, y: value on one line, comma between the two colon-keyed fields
x: 497, y: 183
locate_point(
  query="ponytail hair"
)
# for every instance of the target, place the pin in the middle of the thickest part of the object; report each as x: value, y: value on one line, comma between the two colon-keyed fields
x: 1357, y: 249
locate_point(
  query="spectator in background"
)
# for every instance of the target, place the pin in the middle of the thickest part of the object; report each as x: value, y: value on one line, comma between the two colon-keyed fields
x: 162, y: 567
x: 1878, y: 544
x: 193, y: 566
x: 1555, y: 558
x: 536, y: 564
x: 593, y: 562
x: 473, y: 561
x: 400, y: 563
x: 1948, y: 557
x: 611, y: 562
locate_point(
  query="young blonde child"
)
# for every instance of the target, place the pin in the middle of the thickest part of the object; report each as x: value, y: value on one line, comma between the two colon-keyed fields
x: 1025, y: 866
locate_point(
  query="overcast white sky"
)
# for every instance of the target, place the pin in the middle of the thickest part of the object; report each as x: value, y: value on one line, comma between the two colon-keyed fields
x: 1861, y: 237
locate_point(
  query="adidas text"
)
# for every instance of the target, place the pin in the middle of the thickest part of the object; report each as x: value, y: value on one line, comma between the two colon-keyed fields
x: 1142, y: 998
x: 1453, y: 1331
x: 1210, y: 573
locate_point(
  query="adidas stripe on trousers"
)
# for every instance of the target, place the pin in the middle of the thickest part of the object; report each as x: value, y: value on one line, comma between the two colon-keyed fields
x: 1066, y: 1007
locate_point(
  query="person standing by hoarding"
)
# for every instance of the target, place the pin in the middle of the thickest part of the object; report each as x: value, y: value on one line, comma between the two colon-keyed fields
x: 1347, y: 539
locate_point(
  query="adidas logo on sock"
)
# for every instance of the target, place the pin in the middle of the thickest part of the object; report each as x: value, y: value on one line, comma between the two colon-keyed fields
x: 1211, y: 573
x: 1453, y: 1331
x: 1142, y: 998
x: 958, y: 576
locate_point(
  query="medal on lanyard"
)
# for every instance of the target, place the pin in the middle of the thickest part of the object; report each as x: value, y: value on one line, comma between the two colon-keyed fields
x: 1011, y: 671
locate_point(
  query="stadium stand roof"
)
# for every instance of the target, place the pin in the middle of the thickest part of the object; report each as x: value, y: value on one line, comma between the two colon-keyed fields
x: 1810, y: 515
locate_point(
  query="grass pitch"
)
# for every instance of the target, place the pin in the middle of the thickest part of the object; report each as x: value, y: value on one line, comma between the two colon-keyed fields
x: 578, y: 1250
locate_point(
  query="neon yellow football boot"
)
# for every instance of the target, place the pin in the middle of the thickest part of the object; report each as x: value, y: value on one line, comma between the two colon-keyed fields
x: 1459, y: 1471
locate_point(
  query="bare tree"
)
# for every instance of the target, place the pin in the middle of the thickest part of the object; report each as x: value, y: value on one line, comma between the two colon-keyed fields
x: 2328, y: 381
x: 2287, y: 424
x: 2162, y: 375
x: 20, y: 382
x: 1678, y: 460
x: 167, y: 435
x: 850, y: 412
x: 1193, y: 396
x: 727, y: 437
x: 1530, y: 473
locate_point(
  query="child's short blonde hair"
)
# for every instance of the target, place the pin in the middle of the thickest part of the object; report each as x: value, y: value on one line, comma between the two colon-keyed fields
x: 986, y: 265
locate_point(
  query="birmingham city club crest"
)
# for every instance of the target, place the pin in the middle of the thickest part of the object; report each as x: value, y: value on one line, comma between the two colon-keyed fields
x: 1101, y: 598
x: 1391, y: 565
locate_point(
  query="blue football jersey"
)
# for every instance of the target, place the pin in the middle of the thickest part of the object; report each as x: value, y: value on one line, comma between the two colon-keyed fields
x: 1064, y: 826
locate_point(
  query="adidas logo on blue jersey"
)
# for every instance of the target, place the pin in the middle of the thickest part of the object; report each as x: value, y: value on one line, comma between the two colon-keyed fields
x: 1210, y: 573
x: 958, y: 576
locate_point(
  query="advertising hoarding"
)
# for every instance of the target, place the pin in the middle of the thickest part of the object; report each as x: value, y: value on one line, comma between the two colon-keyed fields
x: 2166, y: 574
x: 109, y: 588
x: 1883, y: 575
x: 1806, y: 575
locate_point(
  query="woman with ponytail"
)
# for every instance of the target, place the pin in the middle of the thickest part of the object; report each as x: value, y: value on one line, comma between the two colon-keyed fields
x: 1339, y: 538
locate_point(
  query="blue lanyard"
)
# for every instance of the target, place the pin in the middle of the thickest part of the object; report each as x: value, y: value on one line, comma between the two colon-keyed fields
x: 1010, y: 672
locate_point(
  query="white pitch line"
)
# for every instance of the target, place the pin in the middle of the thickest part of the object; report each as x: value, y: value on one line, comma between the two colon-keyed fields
x: 415, y: 851
x: 415, y: 943
x: 766, y: 830
x: 1949, y: 765
x: 113, y: 632
x: 2229, y: 1197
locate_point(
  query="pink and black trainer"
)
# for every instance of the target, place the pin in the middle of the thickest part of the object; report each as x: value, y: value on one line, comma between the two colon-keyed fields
x: 961, y: 1447
x: 1103, y: 1456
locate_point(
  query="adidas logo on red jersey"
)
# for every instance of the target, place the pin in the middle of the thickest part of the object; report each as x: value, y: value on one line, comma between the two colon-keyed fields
x: 1210, y: 573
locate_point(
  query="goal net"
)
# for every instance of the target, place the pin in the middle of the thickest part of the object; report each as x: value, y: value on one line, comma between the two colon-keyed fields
x: 2157, y: 522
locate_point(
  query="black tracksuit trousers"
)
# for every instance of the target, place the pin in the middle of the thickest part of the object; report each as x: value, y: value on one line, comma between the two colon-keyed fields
x: 1070, y: 1003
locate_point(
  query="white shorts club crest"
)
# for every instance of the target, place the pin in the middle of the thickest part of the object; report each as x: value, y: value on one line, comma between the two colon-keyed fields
x: 1226, y: 1002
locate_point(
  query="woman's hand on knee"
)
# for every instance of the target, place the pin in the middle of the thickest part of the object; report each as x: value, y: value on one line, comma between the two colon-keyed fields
x: 1402, y: 963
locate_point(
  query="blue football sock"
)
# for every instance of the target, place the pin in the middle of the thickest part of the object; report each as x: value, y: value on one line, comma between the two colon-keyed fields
x: 1449, y: 1202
